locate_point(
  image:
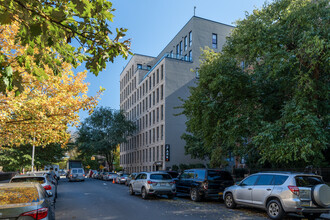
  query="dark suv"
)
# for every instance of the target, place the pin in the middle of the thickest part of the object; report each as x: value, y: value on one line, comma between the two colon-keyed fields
x: 203, y: 183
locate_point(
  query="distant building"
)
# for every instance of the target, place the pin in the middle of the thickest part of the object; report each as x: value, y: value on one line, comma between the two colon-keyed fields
x: 150, y: 88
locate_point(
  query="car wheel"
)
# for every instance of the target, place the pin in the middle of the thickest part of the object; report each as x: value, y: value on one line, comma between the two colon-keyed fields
x: 229, y: 201
x: 275, y: 210
x: 170, y: 196
x: 144, y: 193
x: 194, y: 195
x: 131, y: 191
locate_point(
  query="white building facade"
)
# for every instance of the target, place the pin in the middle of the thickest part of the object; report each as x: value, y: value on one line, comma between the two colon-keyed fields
x: 150, y: 88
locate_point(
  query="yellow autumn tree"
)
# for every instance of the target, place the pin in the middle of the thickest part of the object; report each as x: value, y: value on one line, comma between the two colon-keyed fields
x: 45, y: 108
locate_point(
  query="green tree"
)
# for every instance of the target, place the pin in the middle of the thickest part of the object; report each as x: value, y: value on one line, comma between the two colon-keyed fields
x: 266, y: 96
x: 17, y: 158
x: 47, y: 28
x: 102, y: 132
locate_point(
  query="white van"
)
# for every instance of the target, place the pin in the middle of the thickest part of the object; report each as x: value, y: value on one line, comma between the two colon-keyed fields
x: 76, y: 174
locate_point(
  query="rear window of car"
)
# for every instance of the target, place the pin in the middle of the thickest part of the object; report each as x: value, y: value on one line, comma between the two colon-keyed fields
x: 74, y: 171
x: 18, y: 195
x: 218, y: 175
x: 308, y: 181
x: 160, y: 177
x: 40, y: 180
x: 80, y: 171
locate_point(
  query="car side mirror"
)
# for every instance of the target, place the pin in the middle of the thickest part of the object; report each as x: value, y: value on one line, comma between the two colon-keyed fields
x: 49, y: 194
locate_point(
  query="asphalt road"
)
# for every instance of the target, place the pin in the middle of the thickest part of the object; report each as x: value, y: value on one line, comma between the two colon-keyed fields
x: 95, y: 199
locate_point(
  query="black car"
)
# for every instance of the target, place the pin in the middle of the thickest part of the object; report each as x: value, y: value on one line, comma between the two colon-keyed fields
x: 203, y: 183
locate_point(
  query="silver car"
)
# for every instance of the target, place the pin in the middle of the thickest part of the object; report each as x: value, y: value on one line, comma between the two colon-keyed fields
x: 44, y: 181
x: 25, y: 201
x: 76, y: 174
x: 280, y: 193
x: 153, y: 183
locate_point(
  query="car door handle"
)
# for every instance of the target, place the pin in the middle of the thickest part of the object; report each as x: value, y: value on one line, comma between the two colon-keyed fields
x: 249, y: 188
x: 269, y: 189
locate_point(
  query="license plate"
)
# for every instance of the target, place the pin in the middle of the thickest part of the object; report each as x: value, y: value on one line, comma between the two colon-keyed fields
x: 305, y: 204
x: 220, y: 193
x: 163, y: 184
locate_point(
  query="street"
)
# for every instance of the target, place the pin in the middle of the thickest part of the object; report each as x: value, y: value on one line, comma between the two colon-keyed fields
x: 95, y: 199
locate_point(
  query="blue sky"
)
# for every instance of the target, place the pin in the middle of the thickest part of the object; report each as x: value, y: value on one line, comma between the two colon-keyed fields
x: 151, y: 26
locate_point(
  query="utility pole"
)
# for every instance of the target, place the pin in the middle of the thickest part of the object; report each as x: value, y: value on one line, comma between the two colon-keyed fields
x: 33, y: 150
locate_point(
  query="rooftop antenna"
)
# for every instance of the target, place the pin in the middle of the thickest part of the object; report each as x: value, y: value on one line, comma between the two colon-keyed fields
x: 194, y: 10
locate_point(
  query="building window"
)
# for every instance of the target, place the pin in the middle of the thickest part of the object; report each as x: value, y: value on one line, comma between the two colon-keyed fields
x: 157, y: 153
x: 153, y: 98
x: 162, y: 132
x: 161, y: 112
x: 139, y: 66
x: 157, y: 76
x: 150, y: 136
x: 153, y: 135
x: 171, y: 54
x: 161, y: 72
x: 157, y: 114
x: 214, y: 41
x: 148, y: 67
x: 161, y: 152
x: 177, y: 51
x: 180, y: 47
x: 149, y: 118
x: 190, y: 56
x: 157, y: 95
x: 190, y: 39
x: 147, y: 138
x: 153, y: 154
x: 146, y: 121
x: 150, y: 101
x: 153, y: 115
x: 146, y: 103
x: 185, y: 57
x: 161, y: 92
x: 157, y: 133
x: 153, y: 79
x: 185, y: 43
x: 146, y: 85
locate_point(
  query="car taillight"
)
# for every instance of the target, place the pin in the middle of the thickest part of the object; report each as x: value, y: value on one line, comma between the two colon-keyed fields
x: 47, y: 187
x: 173, y: 182
x: 151, y: 182
x: 37, y: 214
x: 294, y: 190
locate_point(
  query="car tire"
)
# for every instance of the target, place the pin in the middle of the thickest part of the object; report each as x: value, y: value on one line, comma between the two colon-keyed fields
x: 194, y: 195
x: 170, y: 196
x: 131, y: 191
x: 144, y: 193
x: 229, y: 201
x: 275, y: 210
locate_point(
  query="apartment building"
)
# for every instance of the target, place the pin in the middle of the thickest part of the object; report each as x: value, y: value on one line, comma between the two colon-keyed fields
x: 150, y: 88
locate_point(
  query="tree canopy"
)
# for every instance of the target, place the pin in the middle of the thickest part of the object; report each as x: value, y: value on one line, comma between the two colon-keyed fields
x: 49, y: 30
x: 266, y: 96
x: 103, y: 131
x: 41, y: 114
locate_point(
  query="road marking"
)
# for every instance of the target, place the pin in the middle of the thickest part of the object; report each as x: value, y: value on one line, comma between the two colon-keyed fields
x: 104, y: 184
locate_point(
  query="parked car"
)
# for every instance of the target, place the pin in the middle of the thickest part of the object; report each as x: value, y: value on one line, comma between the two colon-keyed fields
x: 76, y: 174
x: 43, y: 179
x: 25, y: 201
x: 130, y: 177
x: 121, y: 178
x: 153, y: 183
x: 280, y: 193
x: 109, y: 176
x: 94, y: 175
x: 203, y: 183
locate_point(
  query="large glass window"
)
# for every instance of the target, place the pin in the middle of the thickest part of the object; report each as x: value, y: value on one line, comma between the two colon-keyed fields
x: 190, y: 56
x: 161, y: 72
x: 139, y: 66
x: 177, y: 50
x: 214, y: 41
x: 180, y: 47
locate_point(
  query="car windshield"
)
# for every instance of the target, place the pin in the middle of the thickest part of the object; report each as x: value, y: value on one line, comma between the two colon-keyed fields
x: 160, y: 176
x: 218, y: 175
x: 308, y: 181
x: 40, y: 180
x: 17, y: 195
